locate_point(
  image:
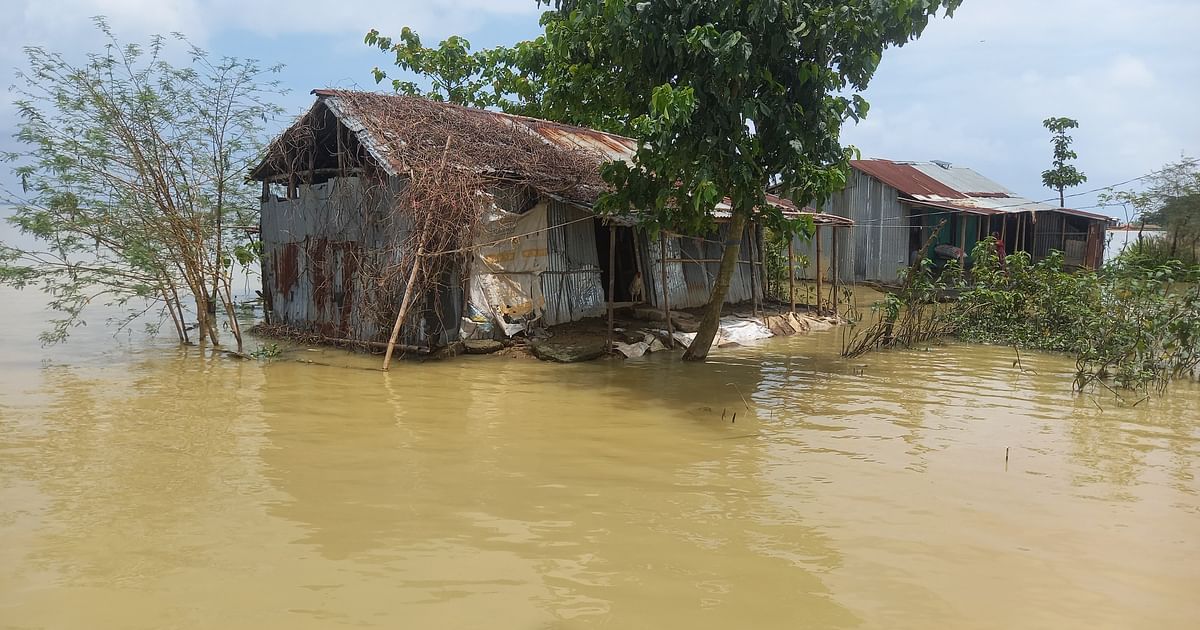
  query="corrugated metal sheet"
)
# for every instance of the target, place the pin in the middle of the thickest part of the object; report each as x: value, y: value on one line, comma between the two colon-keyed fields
x: 571, y: 284
x: 875, y: 248
x: 903, y: 177
x: 885, y: 199
x: 957, y: 188
x: 315, y: 249
x: 612, y: 146
x: 962, y: 180
x: 652, y: 257
x: 691, y: 282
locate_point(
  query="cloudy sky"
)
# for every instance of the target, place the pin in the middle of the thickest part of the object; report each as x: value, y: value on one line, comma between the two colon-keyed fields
x: 973, y: 90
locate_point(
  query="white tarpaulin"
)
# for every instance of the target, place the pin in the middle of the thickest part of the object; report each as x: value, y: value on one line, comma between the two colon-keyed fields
x: 733, y: 329
x: 511, y: 256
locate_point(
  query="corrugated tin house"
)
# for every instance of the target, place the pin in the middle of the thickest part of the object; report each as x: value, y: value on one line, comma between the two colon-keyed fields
x: 334, y: 259
x: 897, y: 205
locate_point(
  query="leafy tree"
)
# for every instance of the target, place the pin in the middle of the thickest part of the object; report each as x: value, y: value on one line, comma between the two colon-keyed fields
x: 1063, y: 175
x: 516, y: 79
x: 456, y: 74
x: 1169, y: 198
x: 133, y: 180
x: 726, y: 97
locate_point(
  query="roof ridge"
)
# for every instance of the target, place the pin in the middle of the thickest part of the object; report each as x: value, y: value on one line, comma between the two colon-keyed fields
x: 333, y: 92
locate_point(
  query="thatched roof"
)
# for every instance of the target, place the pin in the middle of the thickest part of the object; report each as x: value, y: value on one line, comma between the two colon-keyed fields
x: 399, y: 133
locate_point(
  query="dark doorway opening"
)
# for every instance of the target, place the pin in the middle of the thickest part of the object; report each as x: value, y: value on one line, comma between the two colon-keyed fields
x: 626, y: 263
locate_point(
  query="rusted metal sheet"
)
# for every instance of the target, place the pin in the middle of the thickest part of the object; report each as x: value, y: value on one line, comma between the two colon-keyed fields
x: 906, y: 179
x: 316, y: 247
x: 612, y: 146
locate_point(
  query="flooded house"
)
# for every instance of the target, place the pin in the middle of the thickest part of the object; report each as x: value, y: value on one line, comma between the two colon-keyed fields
x: 897, y: 206
x: 521, y: 243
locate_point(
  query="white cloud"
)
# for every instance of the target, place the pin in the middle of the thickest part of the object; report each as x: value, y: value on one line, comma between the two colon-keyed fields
x: 52, y: 22
x: 974, y: 89
x: 1130, y: 72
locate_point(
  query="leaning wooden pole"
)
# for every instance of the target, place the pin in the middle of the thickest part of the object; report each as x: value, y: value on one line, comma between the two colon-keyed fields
x: 818, y: 237
x: 666, y: 299
x: 612, y: 279
x: 792, y: 274
x: 404, y: 304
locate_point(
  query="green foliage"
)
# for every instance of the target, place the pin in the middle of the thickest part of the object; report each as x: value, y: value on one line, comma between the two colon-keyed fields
x: 1132, y: 326
x: 1035, y: 305
x: 456, y: 74
x: 1137, y: 325
x: 1170, y: 199
x: 1152, y: 251
x: 1062, y: 175
x: 727, y: 97
x: 267, y: 351
x: 133, y: 177
x: 516, y: 79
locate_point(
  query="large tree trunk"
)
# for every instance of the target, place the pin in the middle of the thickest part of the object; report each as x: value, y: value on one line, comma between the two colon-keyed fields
x: 698, y: 351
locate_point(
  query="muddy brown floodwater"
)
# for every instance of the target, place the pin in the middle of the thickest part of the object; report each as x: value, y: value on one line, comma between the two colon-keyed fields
x: 145, y: 486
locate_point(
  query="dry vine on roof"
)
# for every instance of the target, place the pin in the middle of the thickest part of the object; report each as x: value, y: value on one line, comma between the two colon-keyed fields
x: 449, y: 158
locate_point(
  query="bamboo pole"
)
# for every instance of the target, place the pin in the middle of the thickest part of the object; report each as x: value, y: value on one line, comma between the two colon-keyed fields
x: 792, y: 274
x: 612, y: 279
x: 404, y: 304
x: 818, y: 236
x: 753, y: 272
x: 1020, y: 230
x: 833, y: 234
x: 666, y: 298
x: 637, y: 259
x: 962, y: 231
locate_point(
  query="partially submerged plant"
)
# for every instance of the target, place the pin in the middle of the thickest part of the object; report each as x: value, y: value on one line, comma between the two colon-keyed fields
x: 1132, y: 326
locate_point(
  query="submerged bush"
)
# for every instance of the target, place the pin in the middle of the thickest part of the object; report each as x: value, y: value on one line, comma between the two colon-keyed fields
x: 1132, y: 324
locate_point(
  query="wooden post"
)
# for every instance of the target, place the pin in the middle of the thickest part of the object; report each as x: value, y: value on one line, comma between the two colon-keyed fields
x: 341, y: 160
x: 762, y: 265
x: 666, y: 298
x: 612, y: 279
x: 818, y: 236
x: 1020, y: 230
x: 637, y: 256
x: 753, y: 240
x: 764, y: 278
x: 404, y: 304
x: 833, y: 236
x: 792, y: 275
x: 962, y: 231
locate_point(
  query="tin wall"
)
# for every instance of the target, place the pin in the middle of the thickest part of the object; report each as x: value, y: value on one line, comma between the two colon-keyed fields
x: 571, y: 284
x: 875, y: 248
x: 690, y: 283
x: 323, y: 254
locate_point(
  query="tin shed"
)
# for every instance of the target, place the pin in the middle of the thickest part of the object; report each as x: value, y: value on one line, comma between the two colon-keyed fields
x: 338, y: 212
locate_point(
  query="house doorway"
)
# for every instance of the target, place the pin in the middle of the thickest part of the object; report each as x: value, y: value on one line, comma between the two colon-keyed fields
x: 626, y: 265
